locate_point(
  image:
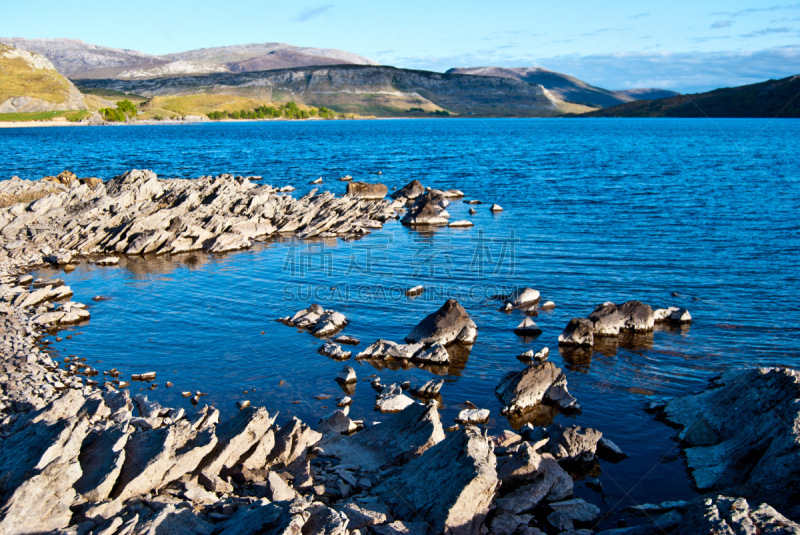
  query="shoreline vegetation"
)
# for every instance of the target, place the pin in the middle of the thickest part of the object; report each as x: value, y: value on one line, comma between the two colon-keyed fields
x: 80, y: 454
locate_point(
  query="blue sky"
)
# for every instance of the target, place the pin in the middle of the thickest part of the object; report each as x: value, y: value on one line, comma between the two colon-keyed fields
x: 679, y: 44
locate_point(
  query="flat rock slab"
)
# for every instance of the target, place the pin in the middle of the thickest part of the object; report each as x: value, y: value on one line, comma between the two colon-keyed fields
x: 399, y: 439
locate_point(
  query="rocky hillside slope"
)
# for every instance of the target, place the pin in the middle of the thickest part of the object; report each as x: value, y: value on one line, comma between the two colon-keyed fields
x: 568, y: 87
x: 773, y: 98
x: 30, y: 83
x: 366, y: 90
x: 77, y: 59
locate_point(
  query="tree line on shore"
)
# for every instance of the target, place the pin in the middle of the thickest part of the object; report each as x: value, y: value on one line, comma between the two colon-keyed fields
x: 290, y: 110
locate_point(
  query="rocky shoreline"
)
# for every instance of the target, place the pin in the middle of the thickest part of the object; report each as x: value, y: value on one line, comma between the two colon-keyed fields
x: 80, y: 455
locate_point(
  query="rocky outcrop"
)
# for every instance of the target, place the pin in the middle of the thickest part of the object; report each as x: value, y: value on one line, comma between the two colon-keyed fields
x: 742, y: 435
x: 466, y: 463
x: 429, y: 209
x: 401, y: 438
x: 410, y: 191
x: 137, y: 213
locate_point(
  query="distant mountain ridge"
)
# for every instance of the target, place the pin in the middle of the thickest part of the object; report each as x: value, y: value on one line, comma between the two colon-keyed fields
x: 362, y: 89
x: 773, y: 98
x: 77, y: 59
x: 567, y: 87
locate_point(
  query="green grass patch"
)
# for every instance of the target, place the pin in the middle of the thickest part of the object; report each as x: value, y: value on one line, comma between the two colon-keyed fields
x: 72, y: 116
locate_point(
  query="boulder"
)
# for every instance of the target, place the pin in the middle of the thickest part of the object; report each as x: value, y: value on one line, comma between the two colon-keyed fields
x: 466, y: 463
x: 461, y: 224
x: 444, y: 326
x: 533, y: 479
x: 378, y: 350
x: 412, y: 190
x: 325, y: 521
x: 637, y: 316
x: 277, y: 490
x: 750, y: 423
x: 496, y: 208
x: 522, y: 297
x: 366, y: 190
x: 428, y: 209
x: 522, y: 390
x: 672, y: 315
x: 347, y: 375
x: 609, y: 451
x: 328, y: 323
x: 402, y: 437
x: 579, y: 332
x: 528, y: 327
x: 399, y: 527
x: 606, y: 320
x: 473, y: 416
x: 435, y: 354
x: 262, y: 517
x: 338, y: 422
x: 392, y: 399
x: 364, y: 511
x: 573, y: 443
x: 428, y: 390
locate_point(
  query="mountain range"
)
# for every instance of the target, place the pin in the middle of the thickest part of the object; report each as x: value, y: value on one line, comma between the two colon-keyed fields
x: 772, y: 99
x: 345, y: 82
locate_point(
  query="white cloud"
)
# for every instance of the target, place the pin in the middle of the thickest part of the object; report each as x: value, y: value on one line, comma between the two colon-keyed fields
x: 722, y: 24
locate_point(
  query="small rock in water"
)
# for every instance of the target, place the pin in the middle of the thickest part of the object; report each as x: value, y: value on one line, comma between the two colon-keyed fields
x: 323, y: 397
x: 416, y: 290
x: 548, y: 305
x: 344, y: 401
x: 527, y: 328
x: 461, y: 224
x: 347, y: 375
x: 496, y: 208
x: 108, y: 261
x: 243, y: 404
x: 281, y: 382
x: 98, y: 298
x: 186, y: 394
x: 145, y: 377
x: 334, y: 351
x: 473, y: 416
x: 349, y: 340
x: 169, y: 384
x: 317, y: 181
x: 472, y: 211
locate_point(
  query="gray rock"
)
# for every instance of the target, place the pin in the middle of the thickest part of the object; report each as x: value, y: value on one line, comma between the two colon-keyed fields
x: 392, y: 400
x: 325, y: 521
x: 466, y: 463
x: 400, y: 527
x: 637, y: 316
x: 573, y: 443
x: 334, y: 351
x: 338, y: 422
x: 607, y: 320
x: 378, y: 350
x: 171, y: 520
x: 292, y: 443
x: 609, y: 451
x: 277, y: 490
x: 528, y: 327
x: 522, y: 390
x: 428, y: 390
x: 443, y: 326
x: 435, y: 354
x: 566, y: 513
x: 399, y: 439
x: 735, y: 516
x: 101, y: 459
x: 364, y: 512
x: 412, y: 190
x: 578, y: 332
x: 235, y: 437
x: 473, y: 416
x: 522, y: 297
x: 366, y: 190
x: 263, y: 517
x: 751, y: 419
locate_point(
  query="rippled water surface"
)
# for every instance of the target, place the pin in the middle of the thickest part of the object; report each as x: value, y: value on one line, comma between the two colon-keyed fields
x: 594, y: 210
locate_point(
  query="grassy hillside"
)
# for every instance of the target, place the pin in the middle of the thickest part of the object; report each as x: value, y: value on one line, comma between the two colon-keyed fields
x: 21, y: 78
x: 773, y: 98
x: 71, y: 116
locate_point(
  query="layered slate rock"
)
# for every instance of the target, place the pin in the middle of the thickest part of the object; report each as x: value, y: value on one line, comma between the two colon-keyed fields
x: 101, y: 458
x: 530, y: 478
x: 366, y: 190
x: 235, y: 437
x: 402, y: 437
x: 743, y: 433
x: 38, y: 468
x: 519, y: 391
x: 462, y: 469
x: 449, y: 324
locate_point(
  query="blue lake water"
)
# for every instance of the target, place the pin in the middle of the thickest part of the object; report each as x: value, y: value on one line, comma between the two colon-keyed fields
x: 594, y: 210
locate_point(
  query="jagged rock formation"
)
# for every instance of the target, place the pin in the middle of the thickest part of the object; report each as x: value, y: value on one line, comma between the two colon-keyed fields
x: 138, y: 213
